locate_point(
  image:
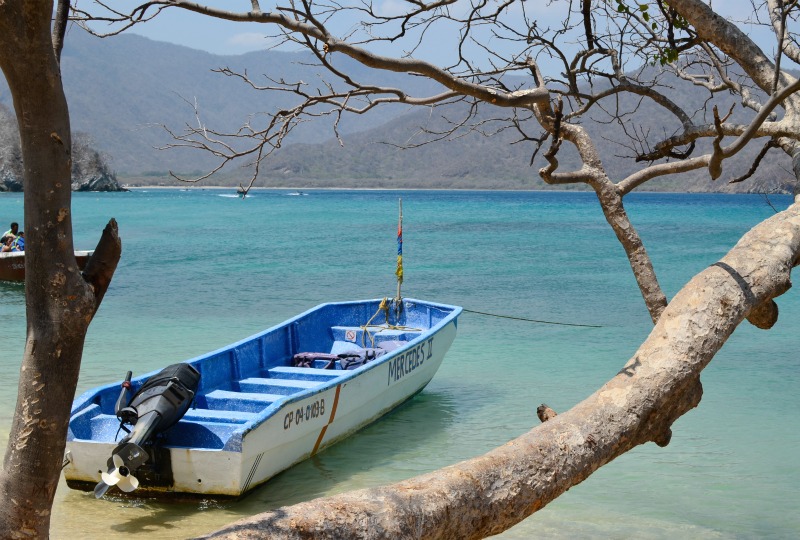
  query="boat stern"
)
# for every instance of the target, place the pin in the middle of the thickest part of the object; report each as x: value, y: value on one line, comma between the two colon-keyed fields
x: 174, y: 472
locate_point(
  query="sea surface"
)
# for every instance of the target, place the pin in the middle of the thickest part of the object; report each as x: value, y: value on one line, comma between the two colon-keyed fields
x: 202, y: 268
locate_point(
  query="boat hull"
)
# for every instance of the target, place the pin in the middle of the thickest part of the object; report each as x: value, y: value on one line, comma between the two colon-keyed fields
x: 12, y: 264
x: 289, y: 430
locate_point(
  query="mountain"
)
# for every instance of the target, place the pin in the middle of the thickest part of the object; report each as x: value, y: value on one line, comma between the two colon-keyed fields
x: 121, y: 90
x: 373, y: 158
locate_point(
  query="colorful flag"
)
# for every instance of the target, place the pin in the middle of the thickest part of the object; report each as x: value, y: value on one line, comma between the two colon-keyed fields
x: 399, y: 271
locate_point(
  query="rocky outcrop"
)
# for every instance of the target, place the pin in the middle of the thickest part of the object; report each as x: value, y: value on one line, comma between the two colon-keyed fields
x: 90, y: 171
x: 102, y: 181
x: 9, y: 181
x: 95, y: 181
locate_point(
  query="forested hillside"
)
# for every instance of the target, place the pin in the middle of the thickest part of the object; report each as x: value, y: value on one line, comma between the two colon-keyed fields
x: 123, y: 90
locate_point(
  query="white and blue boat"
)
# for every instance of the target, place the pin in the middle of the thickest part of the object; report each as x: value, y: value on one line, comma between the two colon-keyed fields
x: 257, y: 407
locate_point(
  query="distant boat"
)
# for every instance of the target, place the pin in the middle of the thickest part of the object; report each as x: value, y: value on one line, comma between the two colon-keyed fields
x: 260, y: 405
x: 296, y: 194
x: 12, y: 264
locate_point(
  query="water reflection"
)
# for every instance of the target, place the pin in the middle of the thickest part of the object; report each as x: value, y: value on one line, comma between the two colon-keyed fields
x: 390, y: 445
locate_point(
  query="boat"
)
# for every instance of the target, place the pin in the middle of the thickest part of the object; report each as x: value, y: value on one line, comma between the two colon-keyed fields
x: 12, y: 264
x: 258, y: 406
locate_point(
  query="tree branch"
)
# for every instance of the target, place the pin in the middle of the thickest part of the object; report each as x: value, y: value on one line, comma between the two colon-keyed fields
x: 60, y: 20
x: 659, y: 384
x: 102, y: 264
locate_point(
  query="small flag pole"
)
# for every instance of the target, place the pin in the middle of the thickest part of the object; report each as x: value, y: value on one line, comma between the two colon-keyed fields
x: 399, y: 271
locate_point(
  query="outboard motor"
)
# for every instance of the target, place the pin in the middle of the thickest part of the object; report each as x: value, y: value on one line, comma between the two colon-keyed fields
x: 158, y: 405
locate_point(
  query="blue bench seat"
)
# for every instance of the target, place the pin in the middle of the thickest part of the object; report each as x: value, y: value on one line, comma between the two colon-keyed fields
x: 283, y: 387
x: 303, y: 373
x: 211, y: 415
x: 226, y: 400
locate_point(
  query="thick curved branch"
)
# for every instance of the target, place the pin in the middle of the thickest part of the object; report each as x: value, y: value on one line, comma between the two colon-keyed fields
x: 662, y: 169
x: 102, y: 264
x: 758, y: 127
x: 519, y: 98
x: 610, y: 198
x: 755, y: 125
x: 778, y: 13
x: 640, y: 404
x: 60, y: 20
x: 725, y: 35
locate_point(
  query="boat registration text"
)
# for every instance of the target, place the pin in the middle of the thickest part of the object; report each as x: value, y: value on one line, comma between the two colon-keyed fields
x: 296, y: 417
x: 407, y: 362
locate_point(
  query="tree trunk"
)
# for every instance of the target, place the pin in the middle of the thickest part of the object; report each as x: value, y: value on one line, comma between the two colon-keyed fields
x: 611, y: 202
x: 609, y: 196
x: 60, y: 303
x: 490, y: 493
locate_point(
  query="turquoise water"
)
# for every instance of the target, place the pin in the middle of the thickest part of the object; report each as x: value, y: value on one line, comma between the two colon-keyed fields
x: 202, y: 268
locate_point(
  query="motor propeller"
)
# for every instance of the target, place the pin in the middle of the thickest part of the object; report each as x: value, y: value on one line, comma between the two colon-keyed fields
x: 119, y: 475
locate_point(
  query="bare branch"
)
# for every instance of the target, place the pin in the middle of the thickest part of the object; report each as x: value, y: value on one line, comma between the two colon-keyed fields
x: 586, y: 9
x: 754, y: 167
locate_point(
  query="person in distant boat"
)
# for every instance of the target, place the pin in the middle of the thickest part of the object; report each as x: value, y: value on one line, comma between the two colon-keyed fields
x: 8, y: 243
x: 13, y: 231
x: 19, y: 243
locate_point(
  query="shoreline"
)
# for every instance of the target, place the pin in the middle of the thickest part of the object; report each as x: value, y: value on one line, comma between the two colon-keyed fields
x: 474, y: 190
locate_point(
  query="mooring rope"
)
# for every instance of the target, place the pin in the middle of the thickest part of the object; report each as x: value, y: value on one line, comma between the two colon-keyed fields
x: 383, y: 307
x: 532, y: 320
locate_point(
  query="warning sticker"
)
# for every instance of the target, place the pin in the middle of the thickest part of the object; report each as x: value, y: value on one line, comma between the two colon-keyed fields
x: 350, y: 335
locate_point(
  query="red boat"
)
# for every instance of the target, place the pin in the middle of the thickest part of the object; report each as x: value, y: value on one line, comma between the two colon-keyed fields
x: 12, y: 264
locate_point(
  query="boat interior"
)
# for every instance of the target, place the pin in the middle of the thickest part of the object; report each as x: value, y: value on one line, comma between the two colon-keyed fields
x: 241, y: 382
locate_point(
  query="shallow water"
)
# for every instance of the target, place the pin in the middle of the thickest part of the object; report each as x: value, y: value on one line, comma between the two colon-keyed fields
x: 201, y: 269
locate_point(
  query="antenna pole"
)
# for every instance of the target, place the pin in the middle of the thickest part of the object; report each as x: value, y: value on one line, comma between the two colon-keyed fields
x: 399, y: 271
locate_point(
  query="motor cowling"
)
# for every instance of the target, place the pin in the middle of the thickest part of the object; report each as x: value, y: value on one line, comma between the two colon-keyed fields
x: 159, y: 404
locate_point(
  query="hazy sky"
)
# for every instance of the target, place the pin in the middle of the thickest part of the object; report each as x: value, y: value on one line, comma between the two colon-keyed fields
x: 229, y: 38
x: 225, y: 37
x: 205, y: 33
